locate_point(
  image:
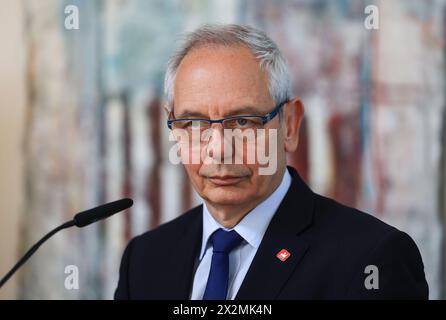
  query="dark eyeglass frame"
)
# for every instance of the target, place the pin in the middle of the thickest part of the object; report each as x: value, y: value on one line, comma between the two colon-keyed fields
x: 265, y: 119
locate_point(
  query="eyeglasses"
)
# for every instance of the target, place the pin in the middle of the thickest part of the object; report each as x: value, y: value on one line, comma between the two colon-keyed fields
x: 236, y: 122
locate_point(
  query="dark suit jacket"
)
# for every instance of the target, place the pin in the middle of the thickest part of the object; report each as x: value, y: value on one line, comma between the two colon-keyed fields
x: 330, y: 246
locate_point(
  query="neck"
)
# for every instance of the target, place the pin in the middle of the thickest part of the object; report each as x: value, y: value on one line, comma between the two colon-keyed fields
x: 229, y: 216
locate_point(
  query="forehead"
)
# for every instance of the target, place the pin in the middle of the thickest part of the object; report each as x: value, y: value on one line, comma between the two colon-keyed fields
x: 217, y: 79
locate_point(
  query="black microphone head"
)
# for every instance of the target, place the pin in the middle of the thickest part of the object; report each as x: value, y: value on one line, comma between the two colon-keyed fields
x: 87, y: 217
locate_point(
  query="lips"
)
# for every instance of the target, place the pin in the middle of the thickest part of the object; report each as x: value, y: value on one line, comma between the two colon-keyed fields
x: 225, y: 180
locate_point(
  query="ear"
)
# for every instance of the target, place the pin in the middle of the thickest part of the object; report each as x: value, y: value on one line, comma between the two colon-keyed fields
x: 293, y: 114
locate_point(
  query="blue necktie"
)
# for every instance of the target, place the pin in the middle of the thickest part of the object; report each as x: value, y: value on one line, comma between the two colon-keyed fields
x: 223, y: 242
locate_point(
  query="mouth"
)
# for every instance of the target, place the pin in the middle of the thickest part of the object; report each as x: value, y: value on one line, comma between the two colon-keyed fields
x: 225, y: 180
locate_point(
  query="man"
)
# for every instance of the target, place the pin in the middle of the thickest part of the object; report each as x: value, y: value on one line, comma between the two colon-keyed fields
x: 257, y: 236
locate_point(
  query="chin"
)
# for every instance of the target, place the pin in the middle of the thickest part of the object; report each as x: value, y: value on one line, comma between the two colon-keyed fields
x: 227, y: 196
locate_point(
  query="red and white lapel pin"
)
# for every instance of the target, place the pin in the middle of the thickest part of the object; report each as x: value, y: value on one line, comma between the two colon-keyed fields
x: 283, y: 254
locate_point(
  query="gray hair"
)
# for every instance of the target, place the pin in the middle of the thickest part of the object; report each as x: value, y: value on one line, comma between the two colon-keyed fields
x: 262, y: 47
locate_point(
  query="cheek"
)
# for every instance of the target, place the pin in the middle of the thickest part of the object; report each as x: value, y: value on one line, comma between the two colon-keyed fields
x: 192, y: 172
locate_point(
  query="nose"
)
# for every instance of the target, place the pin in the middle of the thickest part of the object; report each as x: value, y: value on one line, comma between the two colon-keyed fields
x: 217, y: 149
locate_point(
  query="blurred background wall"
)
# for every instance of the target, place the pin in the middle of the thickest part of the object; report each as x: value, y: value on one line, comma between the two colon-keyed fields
x: 12, y: 115
x: 81, y: 122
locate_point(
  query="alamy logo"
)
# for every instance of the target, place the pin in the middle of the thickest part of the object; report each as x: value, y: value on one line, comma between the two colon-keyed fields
x: 372, y: 280
x: 72, y: 280
x: 372, y: 20
x: 72, y: 17
x: 234, y: 146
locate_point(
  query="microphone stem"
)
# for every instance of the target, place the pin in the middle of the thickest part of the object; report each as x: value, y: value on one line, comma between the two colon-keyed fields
x: 33, y: 249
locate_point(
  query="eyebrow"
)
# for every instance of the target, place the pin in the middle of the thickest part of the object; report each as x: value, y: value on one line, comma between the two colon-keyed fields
x: 245, y: 110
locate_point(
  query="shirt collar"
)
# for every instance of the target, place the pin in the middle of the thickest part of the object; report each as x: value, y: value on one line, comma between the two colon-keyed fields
x: 253, y: 226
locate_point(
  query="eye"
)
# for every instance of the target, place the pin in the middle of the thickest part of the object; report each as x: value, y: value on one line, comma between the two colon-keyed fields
x: 193, y: 124
x: 184, y: 124
x: 242, y: 122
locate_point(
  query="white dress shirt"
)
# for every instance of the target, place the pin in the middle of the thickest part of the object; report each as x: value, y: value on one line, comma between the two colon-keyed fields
x: 251, y: 228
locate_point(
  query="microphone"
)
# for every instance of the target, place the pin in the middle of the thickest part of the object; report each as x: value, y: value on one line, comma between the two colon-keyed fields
x: 87, y: 217
x: 80, y: 220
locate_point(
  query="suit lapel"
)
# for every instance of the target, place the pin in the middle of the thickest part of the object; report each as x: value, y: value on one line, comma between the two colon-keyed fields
x: 268, y: 274
x: 183, y: 259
